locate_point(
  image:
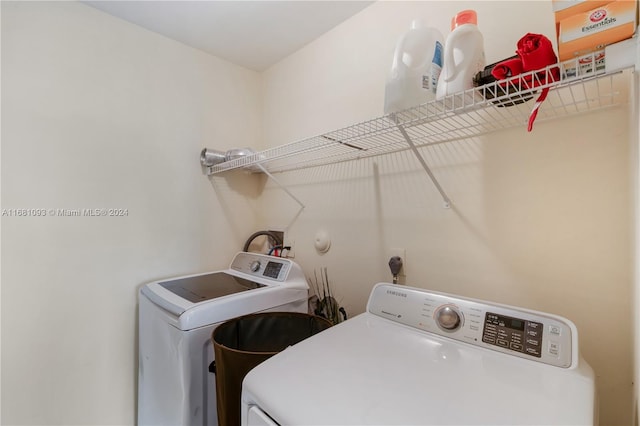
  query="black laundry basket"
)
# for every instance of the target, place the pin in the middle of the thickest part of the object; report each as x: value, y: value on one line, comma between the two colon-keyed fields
x: 244, y: 342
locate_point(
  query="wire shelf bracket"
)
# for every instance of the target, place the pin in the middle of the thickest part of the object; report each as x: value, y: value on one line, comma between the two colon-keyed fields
x: 284, y: 188
x: 423, y: 163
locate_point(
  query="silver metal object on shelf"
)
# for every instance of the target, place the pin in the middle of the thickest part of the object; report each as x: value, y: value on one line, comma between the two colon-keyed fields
x: 211, y: 157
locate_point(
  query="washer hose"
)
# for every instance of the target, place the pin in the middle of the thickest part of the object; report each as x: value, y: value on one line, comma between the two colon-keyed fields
x: 273, y: 237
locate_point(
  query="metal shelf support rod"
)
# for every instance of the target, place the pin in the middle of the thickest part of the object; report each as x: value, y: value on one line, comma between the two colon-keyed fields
x: 405, y: 135
x: 284, y: 188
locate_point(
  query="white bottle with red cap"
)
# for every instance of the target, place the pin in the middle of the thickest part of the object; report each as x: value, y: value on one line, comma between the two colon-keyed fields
x: 463, y: 55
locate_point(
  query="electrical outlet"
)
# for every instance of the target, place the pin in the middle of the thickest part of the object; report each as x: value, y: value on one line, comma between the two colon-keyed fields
x: 402, y: 253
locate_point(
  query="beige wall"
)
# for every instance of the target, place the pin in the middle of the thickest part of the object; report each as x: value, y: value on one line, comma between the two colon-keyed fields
x: 540, y: 220
x: 98, y: 113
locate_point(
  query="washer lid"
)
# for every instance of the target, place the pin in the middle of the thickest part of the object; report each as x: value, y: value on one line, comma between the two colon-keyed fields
x: 253, y: 283
x: 209, y: 286
x: 179, y: 295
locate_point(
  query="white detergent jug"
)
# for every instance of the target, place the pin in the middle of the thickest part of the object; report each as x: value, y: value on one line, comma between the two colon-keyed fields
x: 463, y: 55
x: 415, y: 70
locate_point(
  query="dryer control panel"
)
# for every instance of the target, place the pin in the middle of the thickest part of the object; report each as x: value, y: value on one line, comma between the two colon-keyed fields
x: 520, y: 332
x: 513, y: 333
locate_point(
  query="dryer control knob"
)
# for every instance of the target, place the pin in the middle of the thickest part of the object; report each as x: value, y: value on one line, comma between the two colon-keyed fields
x: 448, y: 318
x: 255, y: 266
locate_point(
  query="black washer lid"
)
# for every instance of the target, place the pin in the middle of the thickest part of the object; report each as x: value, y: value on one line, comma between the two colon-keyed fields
x: 210, y: 286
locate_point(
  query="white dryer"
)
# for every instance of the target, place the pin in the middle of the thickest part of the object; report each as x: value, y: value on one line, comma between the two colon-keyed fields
x: 417, y: 357
x: 176, y: 319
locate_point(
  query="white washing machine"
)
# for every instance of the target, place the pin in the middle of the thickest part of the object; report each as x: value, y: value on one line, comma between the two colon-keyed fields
x: 176, y: 319
x: 417, y: 357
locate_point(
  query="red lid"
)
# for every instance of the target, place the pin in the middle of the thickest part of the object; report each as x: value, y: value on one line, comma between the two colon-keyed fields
x: 464, y: 17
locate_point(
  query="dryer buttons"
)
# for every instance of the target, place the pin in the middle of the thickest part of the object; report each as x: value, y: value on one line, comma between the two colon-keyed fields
x: 554, y: 348
x: 512, y: 333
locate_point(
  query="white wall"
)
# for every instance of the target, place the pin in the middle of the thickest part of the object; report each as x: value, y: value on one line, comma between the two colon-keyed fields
x: 98, y: 113
x: 540, y: 220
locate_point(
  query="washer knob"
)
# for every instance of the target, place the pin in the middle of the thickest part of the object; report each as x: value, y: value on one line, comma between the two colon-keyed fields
x: 448, y: 318
x: 255, y: 266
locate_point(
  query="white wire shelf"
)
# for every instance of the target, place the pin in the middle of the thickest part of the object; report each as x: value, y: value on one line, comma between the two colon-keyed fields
x: 576, y: 87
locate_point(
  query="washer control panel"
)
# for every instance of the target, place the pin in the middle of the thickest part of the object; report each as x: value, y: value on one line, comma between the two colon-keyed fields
x: 524, y: 333
x: 260, y: 265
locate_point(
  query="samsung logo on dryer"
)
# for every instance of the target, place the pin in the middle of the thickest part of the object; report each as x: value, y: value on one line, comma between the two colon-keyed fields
x: 397, y: 293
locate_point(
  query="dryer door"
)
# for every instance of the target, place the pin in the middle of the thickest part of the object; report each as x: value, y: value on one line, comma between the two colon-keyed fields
x: 257, y: 417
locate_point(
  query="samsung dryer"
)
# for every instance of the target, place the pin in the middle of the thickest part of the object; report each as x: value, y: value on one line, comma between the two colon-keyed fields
x: 176, y: 319
x: 418, y: 357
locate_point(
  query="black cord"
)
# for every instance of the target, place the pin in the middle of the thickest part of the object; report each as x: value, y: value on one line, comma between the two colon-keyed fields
x: 273, y: 237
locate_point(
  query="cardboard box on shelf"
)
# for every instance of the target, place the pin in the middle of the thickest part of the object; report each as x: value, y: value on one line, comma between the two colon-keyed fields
x: 592, y: 30
x: 593, y: 62
x: 562, y: 9
x: 565, y: 8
